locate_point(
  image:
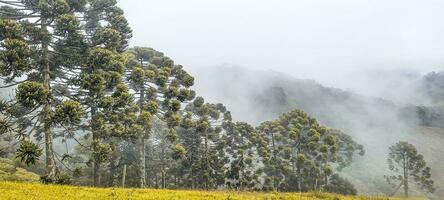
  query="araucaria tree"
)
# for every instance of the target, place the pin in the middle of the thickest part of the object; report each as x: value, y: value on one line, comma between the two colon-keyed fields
x: 41, y: 41
x: 246, y: 149
x: 201, y: 132
x: 160, y: 88
x: 63, y: 55
x: 99, y: 81
x: 302, y: 153
x: 410, y: 167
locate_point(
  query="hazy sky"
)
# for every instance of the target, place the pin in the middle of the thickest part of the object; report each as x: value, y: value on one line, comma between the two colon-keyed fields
x: 331, y: 41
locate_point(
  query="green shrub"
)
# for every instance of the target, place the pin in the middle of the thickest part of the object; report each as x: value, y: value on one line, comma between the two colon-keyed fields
x: 340, y: 185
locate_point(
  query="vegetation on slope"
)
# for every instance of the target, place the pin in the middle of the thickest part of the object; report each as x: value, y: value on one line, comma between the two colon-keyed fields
x: 10, y: 172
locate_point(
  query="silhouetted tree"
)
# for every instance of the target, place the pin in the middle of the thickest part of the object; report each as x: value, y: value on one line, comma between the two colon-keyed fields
x: 410, y: 167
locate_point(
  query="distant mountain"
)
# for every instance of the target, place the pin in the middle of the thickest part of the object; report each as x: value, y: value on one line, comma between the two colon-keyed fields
x: 257, y: 96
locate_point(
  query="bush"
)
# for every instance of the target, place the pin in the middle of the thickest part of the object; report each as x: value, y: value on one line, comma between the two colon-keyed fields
x: 61, y: 179
x: 340, y: 185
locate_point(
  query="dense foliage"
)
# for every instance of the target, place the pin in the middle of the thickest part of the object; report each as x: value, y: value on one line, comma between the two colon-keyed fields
x: 303, y: 153
x: 64, y: 57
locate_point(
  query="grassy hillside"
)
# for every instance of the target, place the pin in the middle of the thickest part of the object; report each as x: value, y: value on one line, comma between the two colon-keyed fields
x: 9, y: 172
x: 9, y: 190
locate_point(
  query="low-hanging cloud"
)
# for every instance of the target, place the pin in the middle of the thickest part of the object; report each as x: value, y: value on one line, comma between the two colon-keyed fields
x: 328, y: 41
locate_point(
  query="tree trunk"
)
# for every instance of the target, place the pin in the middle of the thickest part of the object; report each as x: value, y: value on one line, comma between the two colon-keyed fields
x: 325, y: 177
x: 193, y: 179
x: 112, y: 170
x: 275, y: 184
x: 50, y: 162
x: 142, y: 153
x: 163, y: 179
x: 142, y: 167
x: 299, y: 179
x: 406, y: 177
x: 241, y: 170
x: 207, y: 170
x: 316, y: 185
x: 124, y: 176
x: 406, y: 187
x: 299, y: 173
x: 95, y: 160
x: 397, y: 188
x: 325, y: 181
x: 96, y: 163
x: 156, y: 181
x: 149, y: 169
x: 46, y: 115
x: 163, y: 168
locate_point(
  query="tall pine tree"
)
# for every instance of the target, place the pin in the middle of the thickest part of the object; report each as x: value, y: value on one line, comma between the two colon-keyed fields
x: 42, y: 41
x: 160, y: 88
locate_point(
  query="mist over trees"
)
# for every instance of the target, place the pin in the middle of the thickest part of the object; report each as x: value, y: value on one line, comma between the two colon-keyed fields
x: 376, y: 123
x: 133, y: 109
x: 101, y: 113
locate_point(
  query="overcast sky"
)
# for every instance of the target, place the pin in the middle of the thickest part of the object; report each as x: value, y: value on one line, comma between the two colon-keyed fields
x: 331, y: 41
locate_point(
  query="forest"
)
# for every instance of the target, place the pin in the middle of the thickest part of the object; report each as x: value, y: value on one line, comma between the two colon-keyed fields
x: 81, y: 106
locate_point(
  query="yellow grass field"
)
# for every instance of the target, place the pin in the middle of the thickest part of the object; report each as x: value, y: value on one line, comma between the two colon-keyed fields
x: 35, y: 191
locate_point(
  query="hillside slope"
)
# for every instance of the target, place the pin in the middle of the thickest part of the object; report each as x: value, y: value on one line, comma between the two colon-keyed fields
x: 255, y: 97
x: 9, y: 172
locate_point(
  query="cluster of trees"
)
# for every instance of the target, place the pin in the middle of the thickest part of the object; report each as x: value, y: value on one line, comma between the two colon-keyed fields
x: 303, y: 154
x: 66, y: 60
x: 132, y: 116
x: 423, y: 115
x: 76, y: 81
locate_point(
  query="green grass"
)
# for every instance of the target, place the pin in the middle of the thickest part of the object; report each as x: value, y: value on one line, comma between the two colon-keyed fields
x: 36, y: 191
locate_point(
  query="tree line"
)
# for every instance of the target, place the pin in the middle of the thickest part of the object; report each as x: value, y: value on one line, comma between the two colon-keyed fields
x: 132, y: 115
